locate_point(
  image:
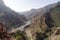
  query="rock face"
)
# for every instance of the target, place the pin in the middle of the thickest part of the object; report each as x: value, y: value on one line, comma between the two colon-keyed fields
x: 38, y: 25
x: 9, y: 17
x: 43, y: 27
x: 32, y: 29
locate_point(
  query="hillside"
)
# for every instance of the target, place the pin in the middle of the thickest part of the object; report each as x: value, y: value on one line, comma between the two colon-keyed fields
x: 45, y: 23
x: 9, y: 17
x: 40, y: 11
x: 43, y: 27
x: 46, y: 26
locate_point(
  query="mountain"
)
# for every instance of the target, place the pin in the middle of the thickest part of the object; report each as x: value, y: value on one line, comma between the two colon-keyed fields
x: 35, y: 12
x: 9, y: 17
x: 45, y: 23
x: 45, y: 26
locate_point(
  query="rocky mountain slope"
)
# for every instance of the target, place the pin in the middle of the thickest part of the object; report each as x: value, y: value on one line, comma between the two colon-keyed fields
x: 9, y: 17
x: 40, y: 11
x: 45, y: 26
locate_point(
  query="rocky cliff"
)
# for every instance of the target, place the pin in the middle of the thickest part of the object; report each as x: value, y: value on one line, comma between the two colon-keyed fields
x: 45, y: 26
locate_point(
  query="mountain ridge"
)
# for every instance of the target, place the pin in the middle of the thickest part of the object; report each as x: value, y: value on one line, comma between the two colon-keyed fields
x: 9, y: 17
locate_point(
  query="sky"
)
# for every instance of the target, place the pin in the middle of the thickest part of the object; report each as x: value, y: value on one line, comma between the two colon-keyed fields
x: 25, y: 5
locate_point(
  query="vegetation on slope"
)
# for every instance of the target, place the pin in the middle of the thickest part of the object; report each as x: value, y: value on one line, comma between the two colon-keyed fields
x: 18, y: 35
x: 55, y: 15
x: 46, y: 23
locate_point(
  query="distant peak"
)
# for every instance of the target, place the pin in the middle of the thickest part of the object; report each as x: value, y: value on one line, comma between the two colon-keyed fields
x: 1, y: 2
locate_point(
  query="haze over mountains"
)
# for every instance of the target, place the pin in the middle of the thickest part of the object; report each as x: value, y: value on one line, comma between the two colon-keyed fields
x: 45, y: 25
x: 45, y: 22
x: 9, y: 17
x: 35, y: 12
